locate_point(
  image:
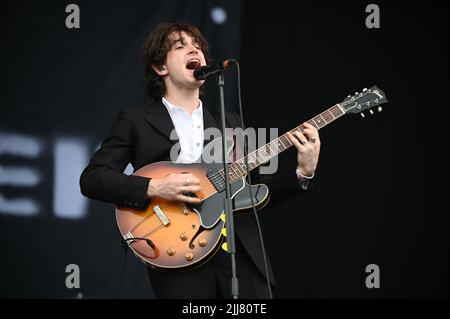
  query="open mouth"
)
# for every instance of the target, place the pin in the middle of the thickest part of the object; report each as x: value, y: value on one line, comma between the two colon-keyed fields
x: 192, y: 64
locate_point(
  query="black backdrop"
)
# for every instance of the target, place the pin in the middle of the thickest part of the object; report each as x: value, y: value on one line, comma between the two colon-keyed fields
x: 381, y: 190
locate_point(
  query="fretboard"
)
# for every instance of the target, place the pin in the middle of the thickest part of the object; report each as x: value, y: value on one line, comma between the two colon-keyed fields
x: 265, y: 153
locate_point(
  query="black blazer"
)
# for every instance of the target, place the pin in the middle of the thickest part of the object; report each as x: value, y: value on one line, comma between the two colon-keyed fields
x: 140, y: 136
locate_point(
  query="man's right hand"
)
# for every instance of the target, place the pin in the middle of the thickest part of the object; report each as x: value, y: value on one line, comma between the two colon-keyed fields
x: 173, y: 187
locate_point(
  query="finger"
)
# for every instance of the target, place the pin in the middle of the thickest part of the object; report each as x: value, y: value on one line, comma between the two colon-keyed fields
x: 190, y: 179
x: 193, y: 188
x: 293, y: 139
x: 188, y: 199
x: 296, y: 142
x: 185, y: 179
x: 302, y: 138
x: 309, y: 126
x: 311, y: 134
x: 193, y: 180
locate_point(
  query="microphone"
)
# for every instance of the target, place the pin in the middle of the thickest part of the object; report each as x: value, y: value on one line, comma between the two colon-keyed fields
x: 201, y: 73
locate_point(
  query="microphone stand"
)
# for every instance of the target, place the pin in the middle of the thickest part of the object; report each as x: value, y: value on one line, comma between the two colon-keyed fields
x: 231, y: 246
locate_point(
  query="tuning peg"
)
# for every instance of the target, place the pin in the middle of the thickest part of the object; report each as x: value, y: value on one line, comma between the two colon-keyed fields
x: 380, y: 109
x: 371, y: 112
x: 362, y: 115
x: 349, y: 96
x: 356, y: 93
x: 365, y: 89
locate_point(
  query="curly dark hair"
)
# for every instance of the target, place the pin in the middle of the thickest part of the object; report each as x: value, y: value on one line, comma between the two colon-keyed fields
x: 154, y: 53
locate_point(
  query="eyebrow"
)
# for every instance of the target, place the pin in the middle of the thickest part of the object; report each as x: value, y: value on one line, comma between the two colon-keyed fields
x: 182, y: 40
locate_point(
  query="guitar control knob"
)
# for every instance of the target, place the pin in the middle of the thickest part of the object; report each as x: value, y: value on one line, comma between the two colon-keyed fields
x: 171, y: 251
x: 380, y: 109
x: 184, y: 236
x: 189, y: 256
x: 202, y: 242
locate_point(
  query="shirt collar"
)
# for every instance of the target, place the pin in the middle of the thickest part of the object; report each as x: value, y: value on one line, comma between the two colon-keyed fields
x: 171, y: 107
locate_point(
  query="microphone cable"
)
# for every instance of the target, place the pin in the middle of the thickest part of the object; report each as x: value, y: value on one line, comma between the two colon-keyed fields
x: 250, y: 181
x: 125, y: 246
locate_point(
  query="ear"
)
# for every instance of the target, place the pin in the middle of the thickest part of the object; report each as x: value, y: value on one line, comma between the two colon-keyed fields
x: 160, y: 69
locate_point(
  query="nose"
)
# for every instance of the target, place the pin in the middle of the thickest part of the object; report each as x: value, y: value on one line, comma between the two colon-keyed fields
x: 193, y: 49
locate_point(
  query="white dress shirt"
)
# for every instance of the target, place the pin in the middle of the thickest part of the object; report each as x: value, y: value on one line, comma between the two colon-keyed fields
x: 189, y: 130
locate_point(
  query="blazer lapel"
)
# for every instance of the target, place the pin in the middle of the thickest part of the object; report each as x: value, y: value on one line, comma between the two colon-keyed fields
x: 156, y: 114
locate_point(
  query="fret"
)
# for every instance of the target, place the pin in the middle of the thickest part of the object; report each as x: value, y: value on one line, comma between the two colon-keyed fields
x: 263, y: 155
x: 285, y: 140
x: 281, y: 141
x: 336, y: 111
x: 233, y: 173
x: 280, y: 145
x: 296, y: 129
x: 272, y: 152
x: 268, y: 150
x: 239, y: 168
x: 313, y: 123
x: 320, y: 122
x: 230, y: 172
x: 327, y: 116
x: 331, y: 112
x: 244, y: 167
x: 256, y: 161
x: 253, y: 165
x: 250, y: 158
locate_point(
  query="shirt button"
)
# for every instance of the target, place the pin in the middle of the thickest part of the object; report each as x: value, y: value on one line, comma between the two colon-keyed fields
x: 198, y: 126
x: 198, y: 144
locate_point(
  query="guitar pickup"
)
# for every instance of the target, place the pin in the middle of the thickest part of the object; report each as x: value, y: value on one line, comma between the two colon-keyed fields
x: 161, y: 215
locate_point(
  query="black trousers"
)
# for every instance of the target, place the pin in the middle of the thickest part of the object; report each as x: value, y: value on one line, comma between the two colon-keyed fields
x: 213, y: 279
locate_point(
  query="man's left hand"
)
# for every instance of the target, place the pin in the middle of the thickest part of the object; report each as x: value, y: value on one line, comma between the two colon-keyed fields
x: 308, y: 148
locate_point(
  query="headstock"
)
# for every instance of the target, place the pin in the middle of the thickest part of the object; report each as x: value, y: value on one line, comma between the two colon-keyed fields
x: 366, y: 100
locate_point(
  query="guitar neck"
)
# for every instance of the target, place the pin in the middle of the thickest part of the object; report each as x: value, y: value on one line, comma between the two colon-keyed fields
x: 265, y: 153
